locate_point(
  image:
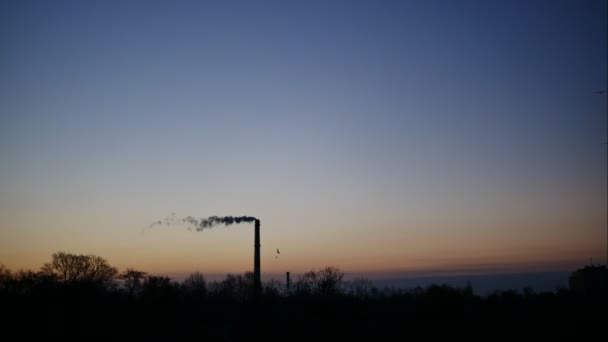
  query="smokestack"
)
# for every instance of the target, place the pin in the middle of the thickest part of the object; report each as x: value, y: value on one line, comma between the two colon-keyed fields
x: 211, y: 221
x: 287, y: 282
x: 257, y: 274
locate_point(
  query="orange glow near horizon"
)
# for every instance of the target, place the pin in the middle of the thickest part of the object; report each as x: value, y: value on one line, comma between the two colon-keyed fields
x: 380, y: 137
x: 221, y: 250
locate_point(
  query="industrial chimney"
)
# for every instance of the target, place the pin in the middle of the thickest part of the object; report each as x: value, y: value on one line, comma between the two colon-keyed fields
x: 257, y: 274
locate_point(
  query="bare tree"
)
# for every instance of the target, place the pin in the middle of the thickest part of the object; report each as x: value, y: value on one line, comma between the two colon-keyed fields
x: 132, y: 280
x: 77, y: 268
x: 5, y: 276
x: 239, y: 287
x: 273, y: 288
x: 159, y: 288
x: 324, y: 282
x: 195, y: 285
x: 361, y: 287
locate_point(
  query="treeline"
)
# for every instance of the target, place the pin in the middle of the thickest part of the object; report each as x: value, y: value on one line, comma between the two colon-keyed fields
x: 80, y: 294
x: 90, y: 274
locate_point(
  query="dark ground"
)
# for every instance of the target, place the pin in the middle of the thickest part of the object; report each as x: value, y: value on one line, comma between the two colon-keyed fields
x: 432, y: 312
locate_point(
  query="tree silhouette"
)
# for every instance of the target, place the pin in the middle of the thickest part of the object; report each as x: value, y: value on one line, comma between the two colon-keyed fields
x: 238, y: 287
x: 159, y: 288
x: 227, y: 310
x: 26, y: 282
x: 77, y: 268
x: 195, y: 285
x: 132, y: 280
x: 323, y: 282
x: 361, y: 287
x: 273, y: 288
x: 5, y: 273
x: 5, y: 277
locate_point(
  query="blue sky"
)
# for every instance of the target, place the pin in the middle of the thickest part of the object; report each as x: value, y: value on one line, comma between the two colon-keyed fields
x: 431, y: 134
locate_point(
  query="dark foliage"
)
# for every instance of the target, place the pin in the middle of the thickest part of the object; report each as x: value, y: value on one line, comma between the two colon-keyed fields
x: 321, y: 305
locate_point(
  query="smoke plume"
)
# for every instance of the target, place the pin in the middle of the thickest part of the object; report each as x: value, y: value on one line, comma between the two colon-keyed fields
x: 201, y: 224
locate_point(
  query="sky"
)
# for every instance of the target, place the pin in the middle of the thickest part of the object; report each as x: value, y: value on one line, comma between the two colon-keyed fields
x: 381, y: 137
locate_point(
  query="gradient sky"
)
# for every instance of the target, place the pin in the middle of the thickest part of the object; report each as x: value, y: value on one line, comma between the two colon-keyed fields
x: 376, y: 136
